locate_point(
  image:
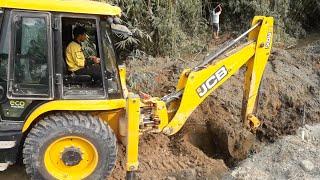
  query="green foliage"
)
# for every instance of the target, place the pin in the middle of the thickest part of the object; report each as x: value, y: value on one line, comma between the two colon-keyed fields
x: 174, y: 27
x: 166, y: 27
x: 292, y: 17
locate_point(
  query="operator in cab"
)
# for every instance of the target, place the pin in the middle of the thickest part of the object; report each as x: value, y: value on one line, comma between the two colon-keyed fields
x: 76, y: 60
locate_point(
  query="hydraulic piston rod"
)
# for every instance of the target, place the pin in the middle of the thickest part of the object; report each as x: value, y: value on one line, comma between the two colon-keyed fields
x: 207, y: 60
x: 212, y: 57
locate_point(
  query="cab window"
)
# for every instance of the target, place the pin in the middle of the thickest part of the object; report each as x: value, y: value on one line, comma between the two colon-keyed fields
x: 4, y: 48
x: 81, y: 80
x: 29, y: 68
x: 111, y: 68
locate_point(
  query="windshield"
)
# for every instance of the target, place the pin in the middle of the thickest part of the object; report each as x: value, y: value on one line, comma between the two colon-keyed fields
x: 111, y: 67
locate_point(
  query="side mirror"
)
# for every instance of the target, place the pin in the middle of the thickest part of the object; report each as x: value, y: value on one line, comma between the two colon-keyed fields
x: 121, y: 29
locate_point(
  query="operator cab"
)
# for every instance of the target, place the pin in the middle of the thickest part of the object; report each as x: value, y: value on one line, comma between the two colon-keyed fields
x: 33, y: 60
x: 98, y: 44
x: 34, y: 36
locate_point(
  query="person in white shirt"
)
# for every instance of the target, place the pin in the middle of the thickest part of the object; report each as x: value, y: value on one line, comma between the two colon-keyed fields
x: 215, y: 16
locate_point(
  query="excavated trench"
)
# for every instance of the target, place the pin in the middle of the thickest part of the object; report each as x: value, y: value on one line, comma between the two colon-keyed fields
x: 216, y: 143
x: 202, y: 138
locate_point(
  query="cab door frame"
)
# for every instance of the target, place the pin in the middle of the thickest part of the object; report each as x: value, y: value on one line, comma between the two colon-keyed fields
x: 59, y: 74
x: 15, y: 16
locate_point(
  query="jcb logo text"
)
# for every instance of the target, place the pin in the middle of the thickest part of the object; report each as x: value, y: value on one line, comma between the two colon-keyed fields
x: 212, y: 81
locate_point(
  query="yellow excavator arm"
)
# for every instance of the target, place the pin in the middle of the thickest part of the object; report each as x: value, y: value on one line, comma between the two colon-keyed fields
x: 196, y: 84
x: 169, y: 114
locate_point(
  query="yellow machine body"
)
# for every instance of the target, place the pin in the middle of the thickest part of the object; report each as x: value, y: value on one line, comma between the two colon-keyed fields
x: 254, y: 55
x: 70, y: 6
x: 196, y: 85
x: 127, y: 117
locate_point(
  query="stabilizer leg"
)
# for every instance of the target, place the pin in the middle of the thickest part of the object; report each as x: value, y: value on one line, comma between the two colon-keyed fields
x: 133, y: 117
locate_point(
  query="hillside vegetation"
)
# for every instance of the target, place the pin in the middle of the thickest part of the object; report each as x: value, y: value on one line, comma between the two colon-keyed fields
x: 174, y: 27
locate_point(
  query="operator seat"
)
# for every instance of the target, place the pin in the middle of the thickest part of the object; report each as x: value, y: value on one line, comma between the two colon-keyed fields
x: 73, y: 79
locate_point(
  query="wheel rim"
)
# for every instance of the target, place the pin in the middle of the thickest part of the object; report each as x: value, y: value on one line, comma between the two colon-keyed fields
x: 80, y: 168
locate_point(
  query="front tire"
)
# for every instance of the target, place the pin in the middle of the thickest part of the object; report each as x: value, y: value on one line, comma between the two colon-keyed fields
x: 70, y: 146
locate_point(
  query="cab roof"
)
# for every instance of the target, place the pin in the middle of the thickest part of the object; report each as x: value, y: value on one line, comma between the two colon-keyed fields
x: 69, y: 6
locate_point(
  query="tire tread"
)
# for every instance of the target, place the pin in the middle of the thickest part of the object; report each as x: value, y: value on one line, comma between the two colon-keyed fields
x: 70, y: 120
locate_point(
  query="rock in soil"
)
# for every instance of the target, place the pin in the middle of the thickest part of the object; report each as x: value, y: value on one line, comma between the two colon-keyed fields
x: 307, y: 165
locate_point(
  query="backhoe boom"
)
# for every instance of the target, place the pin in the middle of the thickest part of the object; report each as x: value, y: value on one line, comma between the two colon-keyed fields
x: 169, y: 114
x: 197, y: 84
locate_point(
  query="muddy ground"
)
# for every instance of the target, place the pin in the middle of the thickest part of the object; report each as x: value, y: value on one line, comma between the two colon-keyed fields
x: 291, y: 85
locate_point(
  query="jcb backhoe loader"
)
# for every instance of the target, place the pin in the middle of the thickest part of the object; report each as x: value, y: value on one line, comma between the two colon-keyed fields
x: 67, y: 125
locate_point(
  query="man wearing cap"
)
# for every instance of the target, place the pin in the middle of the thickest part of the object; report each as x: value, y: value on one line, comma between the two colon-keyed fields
x: 75, y: 58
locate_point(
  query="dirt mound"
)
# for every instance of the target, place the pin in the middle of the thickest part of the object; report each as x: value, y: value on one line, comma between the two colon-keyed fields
x: 291, y: 82
x: 162, y: 157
